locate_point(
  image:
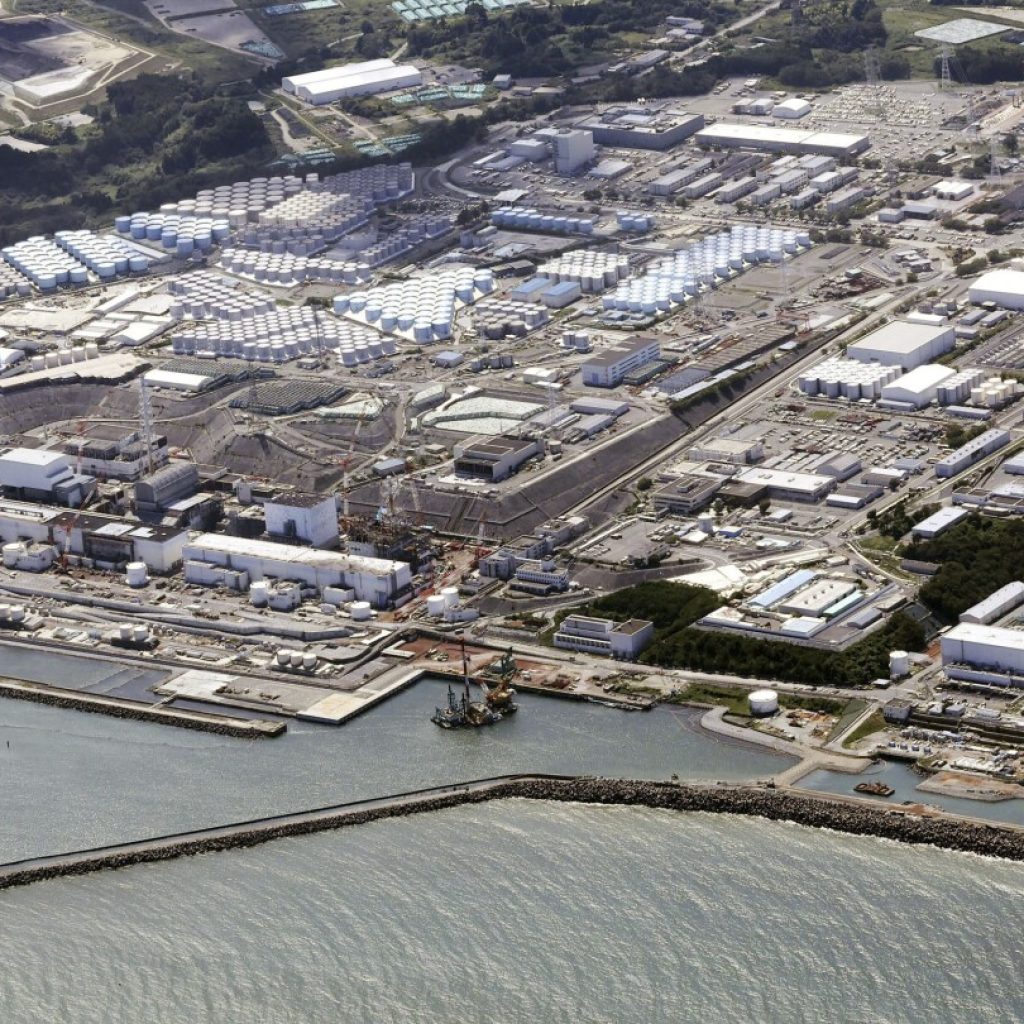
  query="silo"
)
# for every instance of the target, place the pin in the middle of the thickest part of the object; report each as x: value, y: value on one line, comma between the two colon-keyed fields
x: 763, y: 703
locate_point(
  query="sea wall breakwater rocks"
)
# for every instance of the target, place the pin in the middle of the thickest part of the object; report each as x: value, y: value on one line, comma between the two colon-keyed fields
x: 757, y: 801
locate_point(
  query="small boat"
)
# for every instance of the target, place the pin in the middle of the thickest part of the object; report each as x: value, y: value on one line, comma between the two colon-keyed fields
x: 874, y: 789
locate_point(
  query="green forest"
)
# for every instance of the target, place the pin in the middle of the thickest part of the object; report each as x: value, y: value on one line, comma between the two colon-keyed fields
x: 674, y: 607
x: 976, y: 557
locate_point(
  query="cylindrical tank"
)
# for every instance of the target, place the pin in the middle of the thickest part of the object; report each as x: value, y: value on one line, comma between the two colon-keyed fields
x: 284, y: 658
x: 764, y: 702
x: 359, y: 610
x: 309, y: 661
x: 140, y: 634
x: 451, y: 596
x: 17, y: 613
x: 136, y: 574
x: 435, y: 605
x: 296, y: 659
x: 12, y: 553
x: 259, y: 593
x: 124, y: 631
x: 899, y: 664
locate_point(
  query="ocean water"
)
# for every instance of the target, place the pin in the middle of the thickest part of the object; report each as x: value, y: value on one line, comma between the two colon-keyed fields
x: 522, y: 911
x: 72, y: 780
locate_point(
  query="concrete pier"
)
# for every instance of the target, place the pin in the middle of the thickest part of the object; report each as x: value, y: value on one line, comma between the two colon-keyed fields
x: 118, y: 707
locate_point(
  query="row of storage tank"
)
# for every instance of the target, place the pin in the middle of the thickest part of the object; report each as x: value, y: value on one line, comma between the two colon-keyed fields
x: 242, y: 199
x: 280, y: 342
x: 65, y: 356
x: 421, y: 306
x: 848, y: 378
x: 206, y: 296
x: 592, y: 271
x: 287, y: 269
x: 406, y: 238
x: 702, y: 265
x: 184, y: 234
x: 992, y: 393
x: 48, y: 266
x: 447, y: 597
x: 534, y: 220
x: 509, y: 319
x: 329, y: 216
x: 13, y: 283
x: 634, y: 221
x: 105, y: 256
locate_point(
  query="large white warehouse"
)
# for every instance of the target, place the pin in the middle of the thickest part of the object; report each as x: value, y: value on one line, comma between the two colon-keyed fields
x: 984, y: 649
x: 1003, y: 287
x: 904, y: 344
x: 919, y: 387
x: 365, y: 79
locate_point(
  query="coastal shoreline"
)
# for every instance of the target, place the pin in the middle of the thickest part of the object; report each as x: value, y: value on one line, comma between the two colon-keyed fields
x: 846, y: 815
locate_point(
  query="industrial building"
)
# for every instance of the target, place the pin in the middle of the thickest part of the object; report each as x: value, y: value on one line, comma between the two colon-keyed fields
x: 571, y: 148
x: 919, y: 387
x: 903, y: 344
x: 604, y: 636
x: 984, y: 653
x: 686, y: 494
x: 380, y: 582
x: 312, y: 518
x: 115, y: 453
x: 36, y: 474
x: 642, y: 127
x: 791, y: 109
x: 157, y: 492
x: 785, y: 486
x: 782, y: 140
x: 996, y: 605
x: 727, y: 449
x: 974, y: 451
x: 110, y: 542
x: 1004, y: 287
x: 494, y: 458
x: 364, y: 79
x: 939, y: 522
x: 609, y: 368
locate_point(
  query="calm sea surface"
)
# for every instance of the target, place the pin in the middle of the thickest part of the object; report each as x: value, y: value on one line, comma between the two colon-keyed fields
x: 514, y: 911
x: 521, y: 912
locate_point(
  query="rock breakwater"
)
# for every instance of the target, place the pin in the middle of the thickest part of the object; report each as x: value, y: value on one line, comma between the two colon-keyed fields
x: 815, y: 811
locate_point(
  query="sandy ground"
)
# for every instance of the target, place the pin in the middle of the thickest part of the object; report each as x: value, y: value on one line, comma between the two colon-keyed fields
x: 973, y: 787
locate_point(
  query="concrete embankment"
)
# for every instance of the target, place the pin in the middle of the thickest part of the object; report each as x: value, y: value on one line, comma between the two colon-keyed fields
x: 847, y: 816
x: 116, y: 707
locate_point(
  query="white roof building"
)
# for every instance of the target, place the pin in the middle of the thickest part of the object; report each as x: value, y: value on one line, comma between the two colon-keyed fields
x: 904, y: 344
x: 377, y: 580
x: 919, y: 387
x: 1003, y: 287
x: 791, y: 109
x: 362, y: 79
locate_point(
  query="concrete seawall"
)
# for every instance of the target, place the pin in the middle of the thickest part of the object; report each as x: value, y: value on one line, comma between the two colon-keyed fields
x: 117, y: 707
x: 849, y: 816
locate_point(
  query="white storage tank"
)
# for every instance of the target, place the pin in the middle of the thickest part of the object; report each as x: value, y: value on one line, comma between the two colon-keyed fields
x: 899, y: 664
x: 283, y: 657
x: 259, y: 593
x: 140, y: 634
x: 136, y: 574
x: 435, y: 606
x: 13, y: 553
x: 763, y: 703
x: 451, y: 596
x: 360, y: 610
x: 309, y: 661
